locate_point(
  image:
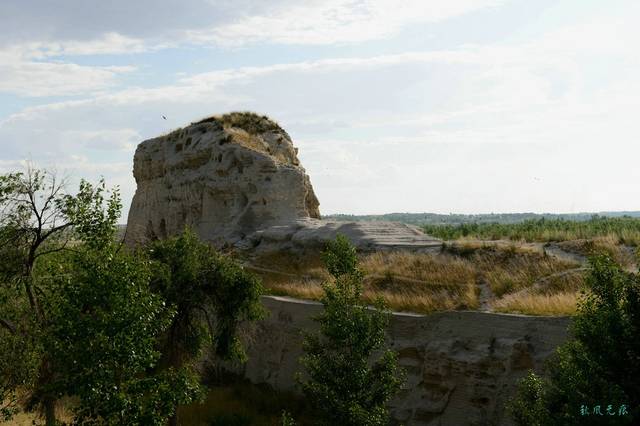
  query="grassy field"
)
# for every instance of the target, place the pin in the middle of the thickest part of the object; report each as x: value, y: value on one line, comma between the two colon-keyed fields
x: 519, y: 278
x: 624, y: 230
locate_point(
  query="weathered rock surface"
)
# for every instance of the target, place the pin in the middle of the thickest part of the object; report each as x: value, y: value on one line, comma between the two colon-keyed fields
x: 224, y: 176
x: 462, y: 367
x: 236, y: 180
x: 304, y: 234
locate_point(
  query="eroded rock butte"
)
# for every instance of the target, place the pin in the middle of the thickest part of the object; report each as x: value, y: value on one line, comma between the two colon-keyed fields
x: 236, y: 180
x: 224, y: 176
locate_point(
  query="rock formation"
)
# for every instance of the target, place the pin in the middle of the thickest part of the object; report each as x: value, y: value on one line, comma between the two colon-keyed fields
x: 311, y: 234
x: 236, y: 180
x: 462, y: 367
x: 225, y: 176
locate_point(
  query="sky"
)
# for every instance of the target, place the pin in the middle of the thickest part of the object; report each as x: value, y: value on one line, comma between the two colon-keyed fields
x: 457, y: 106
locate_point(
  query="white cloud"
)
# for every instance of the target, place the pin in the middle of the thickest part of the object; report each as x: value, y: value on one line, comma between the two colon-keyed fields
x: 56, y: 79
x: 23, y: 74
x: 334, y: 21
x: 115, y: 27
x: 464, y: 129
x: 106, y: 140
x: 108, y: 44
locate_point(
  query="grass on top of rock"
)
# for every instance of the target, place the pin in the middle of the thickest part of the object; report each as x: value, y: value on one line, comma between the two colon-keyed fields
x: 522, y: 279
x: 250, y: 122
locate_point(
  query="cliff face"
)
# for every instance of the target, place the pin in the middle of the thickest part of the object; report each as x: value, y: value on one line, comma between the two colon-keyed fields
x: 462, y: 367
x: 224, y: 176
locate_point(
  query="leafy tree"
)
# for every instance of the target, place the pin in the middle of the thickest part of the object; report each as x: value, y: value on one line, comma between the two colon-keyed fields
x: 211, y: 295
x: 599, y: 366
x: 20, y: 349
x: 345, y: 384
x: 37, y: 219
x: 102, y: 337
x: 77, y: 316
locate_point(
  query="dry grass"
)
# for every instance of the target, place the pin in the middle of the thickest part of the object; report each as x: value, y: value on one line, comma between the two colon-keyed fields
x: 563, y: 303
x: 311, y: 290
x: 609, y: 245
x: 510, y: 268
x: 470, y: 244
x: 405, y: 281
x: 441, y: 271
x: 63, y: 414
x: 307, y: 264
x: 520, y: 272
x: 420, y: 282
x: 426, y: 302
x: 425, y: 283
x: 249, y: 121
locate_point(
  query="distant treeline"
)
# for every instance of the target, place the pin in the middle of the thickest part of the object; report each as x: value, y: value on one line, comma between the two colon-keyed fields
x: 456, y: 219
x: 624, y: 229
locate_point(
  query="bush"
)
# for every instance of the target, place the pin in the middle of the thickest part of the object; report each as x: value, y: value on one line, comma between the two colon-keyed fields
x: 599, y: 369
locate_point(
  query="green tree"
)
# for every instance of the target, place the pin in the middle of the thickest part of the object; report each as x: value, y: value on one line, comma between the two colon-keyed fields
x: 346, y: 385
x: 20, y: 348
x: 599, y: 366
x: 37, y: 219
x: 104, y: 325
x: 211, y: 293
x: 77, y: 316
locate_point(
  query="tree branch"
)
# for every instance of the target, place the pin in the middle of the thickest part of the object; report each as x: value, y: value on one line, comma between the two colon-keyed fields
x: 55, y: 229
x: 8, y: 325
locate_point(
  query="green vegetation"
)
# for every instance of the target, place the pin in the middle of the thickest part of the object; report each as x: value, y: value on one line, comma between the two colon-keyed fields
x: 112, y: 333
x: 93, y: 333
x: 625, y: 229
x: 101, y: 313
x: 343, y: 384
x: 211, y: 294
x: 79, y: 308
x: 457, y: 219
x: 598, y: 370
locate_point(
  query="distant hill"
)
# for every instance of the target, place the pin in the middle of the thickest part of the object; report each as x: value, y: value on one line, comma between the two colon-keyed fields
x: 456, y: 219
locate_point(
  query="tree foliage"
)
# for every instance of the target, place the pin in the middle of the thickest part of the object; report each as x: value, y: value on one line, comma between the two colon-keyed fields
x: 599, y: 366
x: 346, y: 383
x: 104, y: 323
x: 77, y: 315
x: 211, y: 295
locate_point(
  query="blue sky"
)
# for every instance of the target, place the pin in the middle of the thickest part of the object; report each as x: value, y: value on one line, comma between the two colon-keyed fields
x: 465, y: 106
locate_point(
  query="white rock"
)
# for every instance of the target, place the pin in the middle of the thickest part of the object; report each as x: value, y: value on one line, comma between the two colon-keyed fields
x: 225, y: 177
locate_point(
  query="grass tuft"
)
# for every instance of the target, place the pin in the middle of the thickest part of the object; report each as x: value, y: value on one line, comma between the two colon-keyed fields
x: 563, y: 303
